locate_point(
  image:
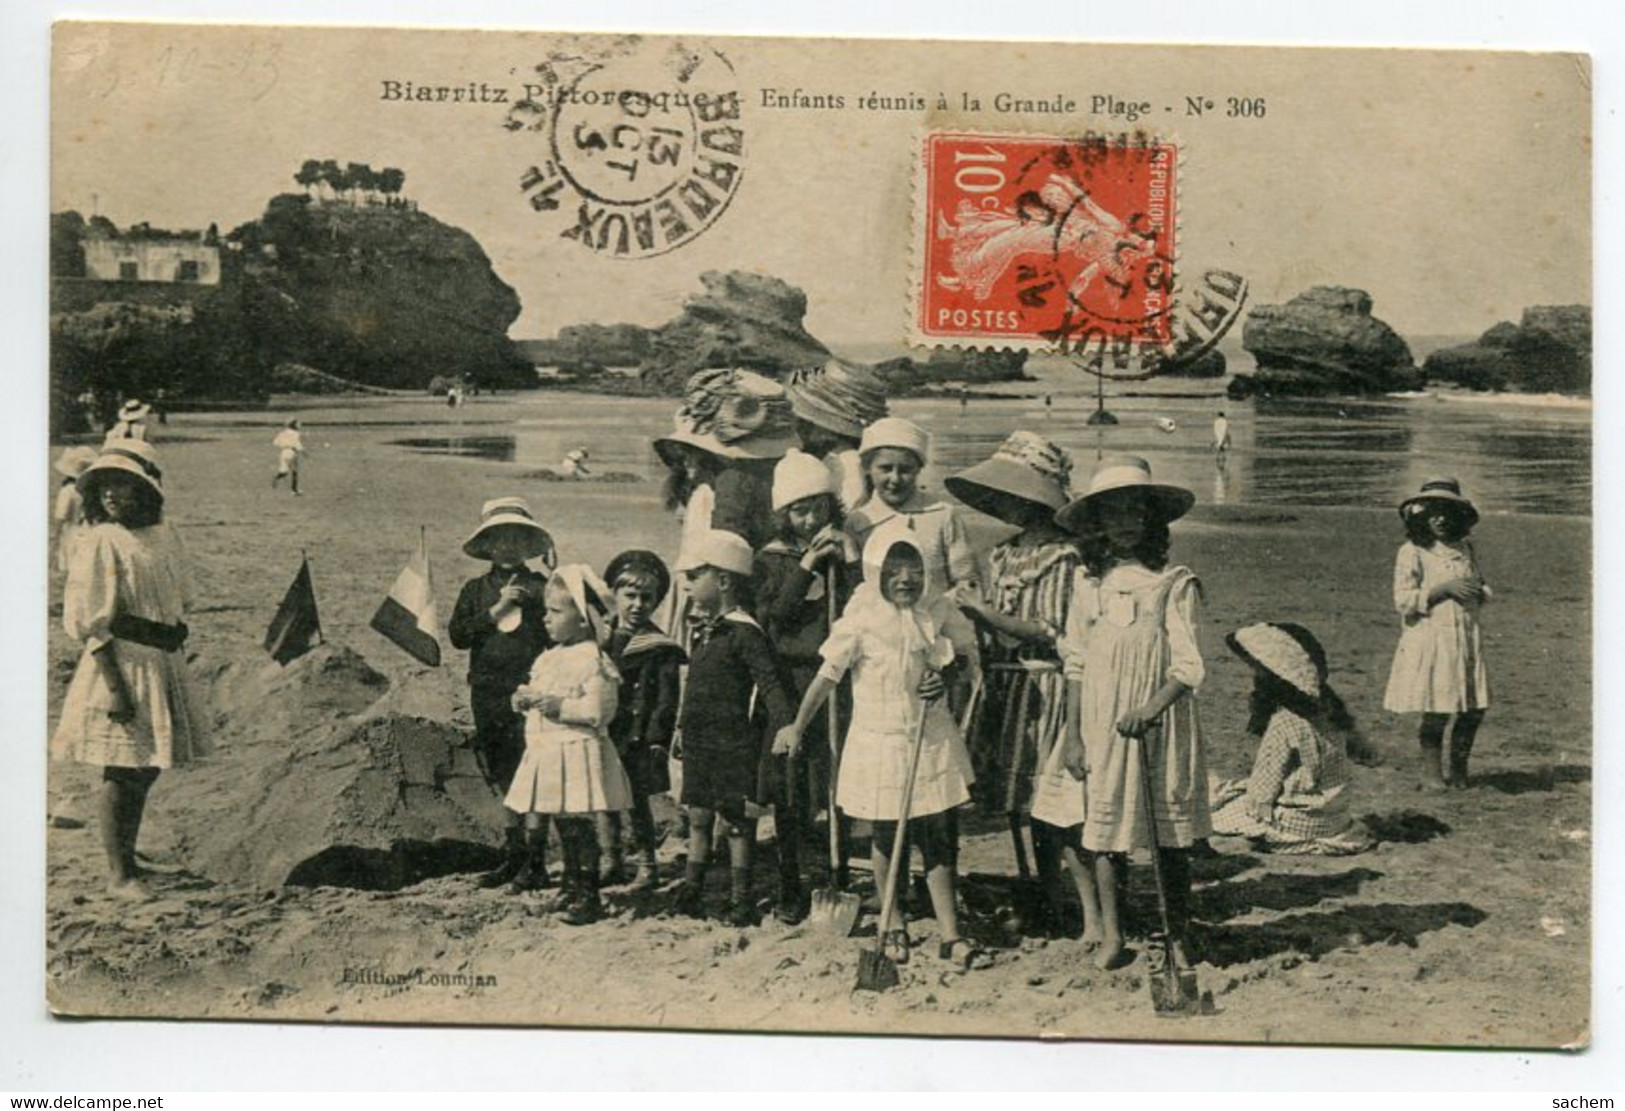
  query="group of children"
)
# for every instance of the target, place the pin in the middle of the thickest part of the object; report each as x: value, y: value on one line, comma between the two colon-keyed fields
x: 1069, y: 655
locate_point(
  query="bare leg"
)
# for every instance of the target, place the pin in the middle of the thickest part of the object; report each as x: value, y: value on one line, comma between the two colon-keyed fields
x: 1110, y: 954
x: 1431, y: 739
x: 1082, y: 871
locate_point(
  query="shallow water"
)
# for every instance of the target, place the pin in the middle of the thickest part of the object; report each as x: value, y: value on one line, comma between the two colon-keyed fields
x: 1510, y: 456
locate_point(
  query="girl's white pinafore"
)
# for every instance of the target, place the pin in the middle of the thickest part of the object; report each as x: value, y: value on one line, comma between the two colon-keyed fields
x: 1439, y: 664
x: 886, y: 668
x: 1126, y: 635
x: 139, y: 573
x: 570, y: 766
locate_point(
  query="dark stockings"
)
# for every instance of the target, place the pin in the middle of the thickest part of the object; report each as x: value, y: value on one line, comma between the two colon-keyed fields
x: 1462, y: 736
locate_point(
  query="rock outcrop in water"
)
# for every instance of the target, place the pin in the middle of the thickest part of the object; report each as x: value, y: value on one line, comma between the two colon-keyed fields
x: 1325, y: 341
x: 1548, y: 351
x: 318, y: 778
x: 741, y: 320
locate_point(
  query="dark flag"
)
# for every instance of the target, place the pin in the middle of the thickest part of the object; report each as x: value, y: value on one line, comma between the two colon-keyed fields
x: 408, y: 616
x: 296, y: 628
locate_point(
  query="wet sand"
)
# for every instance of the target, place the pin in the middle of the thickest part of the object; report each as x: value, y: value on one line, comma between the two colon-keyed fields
x: 1470, y: 924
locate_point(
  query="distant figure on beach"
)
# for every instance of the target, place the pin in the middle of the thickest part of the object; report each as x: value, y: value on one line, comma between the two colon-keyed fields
x: 1049, y: 402
x: 1297, y: 799
x: 964, y: 399
x: 1221, y: 438
x: 290, y: 445
x: 575, y: 464
x: 131, y: 423
x: 1439, y: 665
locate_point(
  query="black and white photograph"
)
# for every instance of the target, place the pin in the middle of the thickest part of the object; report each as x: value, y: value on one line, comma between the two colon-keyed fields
x: 987, y: 539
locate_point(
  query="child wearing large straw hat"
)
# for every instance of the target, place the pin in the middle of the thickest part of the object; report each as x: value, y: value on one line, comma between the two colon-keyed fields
x: 499, y: 621
x: 1022, y: 610
x: 1133, y: 665
x: 129, y: 707
x: 131, y: 423
x: 1438, y: 668
x: 1296, y: 801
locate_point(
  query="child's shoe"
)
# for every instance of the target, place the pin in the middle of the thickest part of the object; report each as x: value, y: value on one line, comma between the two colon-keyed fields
x: 689, y: 900
x: 585, y: 907
x: 648, y: 877
x: 741, y: 913
x: 532, y: 874
x: 514, y: 837
x: 792, y: 905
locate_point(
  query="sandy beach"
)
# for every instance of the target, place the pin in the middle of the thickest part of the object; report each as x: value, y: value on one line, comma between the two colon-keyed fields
x: 1468, y: 925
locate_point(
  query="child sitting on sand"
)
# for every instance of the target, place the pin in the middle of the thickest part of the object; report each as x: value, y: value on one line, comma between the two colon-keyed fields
x: 570, y: 769
x: 1297, y: 798
x: 499, y: 622
x: 894, y: 452
x: 129, y: 708
x: 731, y: 671
x: 801, y: 578
x: 1439, y: 665
x: 650, y: 664
x: 898, y: 637
x: 1132, y: 666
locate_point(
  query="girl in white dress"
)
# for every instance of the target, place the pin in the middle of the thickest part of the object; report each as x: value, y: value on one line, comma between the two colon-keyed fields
x: 570, y: 769
x: 129, y: 708
x: 1439, y: 665
x: 897, y: 637
x: 1133, y: 665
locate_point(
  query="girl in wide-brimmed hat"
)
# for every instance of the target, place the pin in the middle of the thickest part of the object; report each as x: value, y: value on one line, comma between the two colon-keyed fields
x: 131, y: 423
x: 129, y: 708
x: 1023, y: 609
x: 1297, y: 798
x: 498, y: 621
x: 1438, y: 667
x: 1133, y: 666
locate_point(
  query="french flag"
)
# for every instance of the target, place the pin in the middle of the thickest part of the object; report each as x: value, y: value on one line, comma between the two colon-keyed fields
x: 408, y: 616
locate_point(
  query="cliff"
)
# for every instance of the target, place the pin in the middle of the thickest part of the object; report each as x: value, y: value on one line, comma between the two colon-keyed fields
x: 1325, y: 341
x: 1548, y: 351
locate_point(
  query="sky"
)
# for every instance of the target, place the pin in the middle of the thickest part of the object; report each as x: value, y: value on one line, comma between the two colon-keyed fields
x: 1452, y: 186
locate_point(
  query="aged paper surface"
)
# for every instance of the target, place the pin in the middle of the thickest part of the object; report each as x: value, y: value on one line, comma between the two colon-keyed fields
x: 1389, y: 251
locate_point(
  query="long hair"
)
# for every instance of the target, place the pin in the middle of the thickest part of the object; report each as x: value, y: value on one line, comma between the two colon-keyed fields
x: 1152, y: 550
x: 1418, y: 532
x: 786, y: 532
x: 149, y: 504
x: 1272, y: 693
x: 678, y: 487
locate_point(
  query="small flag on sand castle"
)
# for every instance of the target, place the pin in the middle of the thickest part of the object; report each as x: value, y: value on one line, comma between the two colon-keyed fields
x: 296, y: 628
x: 407, y: 616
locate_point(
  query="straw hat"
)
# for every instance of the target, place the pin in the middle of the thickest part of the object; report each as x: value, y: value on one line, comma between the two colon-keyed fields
x: 734, y: 414
x: 1127, y: 472
x: 134, y: 409
x: 726, y: 551
x: 639, y: 562
x: 1289, y: 652
x: 73, y: 461
x: 840, y: 396
x: 1026, y: 466
x: 136, y: 457
x: 1446, y: 490
x: 899, y: 433
x: 514, y: 513
x: 799, y: 475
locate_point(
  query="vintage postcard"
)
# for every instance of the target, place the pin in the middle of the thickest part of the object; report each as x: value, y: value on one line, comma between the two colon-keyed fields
x: 1018, y: 539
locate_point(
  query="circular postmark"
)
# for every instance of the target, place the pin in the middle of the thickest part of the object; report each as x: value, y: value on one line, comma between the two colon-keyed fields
x: 643, y: 145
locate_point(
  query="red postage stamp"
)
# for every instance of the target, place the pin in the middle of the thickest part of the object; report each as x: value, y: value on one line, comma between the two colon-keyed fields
x: 1031, y: 241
